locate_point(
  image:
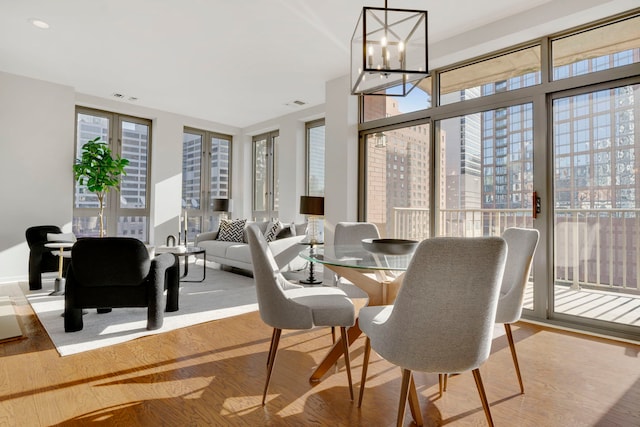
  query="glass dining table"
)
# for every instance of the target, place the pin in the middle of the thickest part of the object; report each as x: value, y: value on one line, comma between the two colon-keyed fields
x: 379, y: 275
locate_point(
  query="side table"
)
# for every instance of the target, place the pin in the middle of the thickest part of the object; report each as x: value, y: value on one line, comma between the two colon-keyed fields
x: 58, y: 287
x: 195, y: 251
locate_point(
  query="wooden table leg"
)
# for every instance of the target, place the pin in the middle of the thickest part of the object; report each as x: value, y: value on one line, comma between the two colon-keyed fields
x: 334, y: 354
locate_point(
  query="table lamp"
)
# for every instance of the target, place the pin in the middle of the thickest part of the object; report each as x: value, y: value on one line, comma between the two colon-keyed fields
x: 313, y: 207
x: 221, y: 205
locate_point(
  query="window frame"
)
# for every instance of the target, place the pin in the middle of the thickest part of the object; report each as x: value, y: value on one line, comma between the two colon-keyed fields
x: 113, y: 209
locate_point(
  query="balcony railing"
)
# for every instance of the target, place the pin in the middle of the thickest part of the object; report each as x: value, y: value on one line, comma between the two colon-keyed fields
x: 595, y: 248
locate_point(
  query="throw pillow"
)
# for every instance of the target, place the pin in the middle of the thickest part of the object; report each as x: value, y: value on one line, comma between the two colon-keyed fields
x: 272, y: 230
x: 286, y: 231
x: 231, y: 230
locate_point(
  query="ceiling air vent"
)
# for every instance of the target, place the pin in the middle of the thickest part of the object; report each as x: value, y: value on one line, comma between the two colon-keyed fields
x: 295, y: 103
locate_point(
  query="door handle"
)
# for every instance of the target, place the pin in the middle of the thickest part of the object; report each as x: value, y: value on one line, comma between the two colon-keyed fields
x: 537, y: 205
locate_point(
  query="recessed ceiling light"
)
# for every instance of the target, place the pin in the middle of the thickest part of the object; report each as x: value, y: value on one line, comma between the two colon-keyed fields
x: 39, y: 23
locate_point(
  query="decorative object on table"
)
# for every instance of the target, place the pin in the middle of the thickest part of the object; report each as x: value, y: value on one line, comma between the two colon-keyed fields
x: 114, y: 272
x: 41, y: 260
x: 417, y: 334
x: 390, y: 246
x: 100, y: 172
x: 284, y: 305
x: 183, y: 229
x: 389, y: 50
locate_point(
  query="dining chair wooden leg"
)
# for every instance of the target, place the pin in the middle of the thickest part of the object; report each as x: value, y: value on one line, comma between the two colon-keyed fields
x: 512, y: 346
x: 404, y: 391
x: 275, y: 339
x: 347, y: 360
x: 271, y: 346
x: 483, y: 396
x: 365, y: 365
x: 414, y: 404
x: 440, y: 383
x: 444, y: 382
x: 333, y: 335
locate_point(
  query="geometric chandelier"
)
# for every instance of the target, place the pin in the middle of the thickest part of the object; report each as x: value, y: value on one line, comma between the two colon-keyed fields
x: 389, y: 50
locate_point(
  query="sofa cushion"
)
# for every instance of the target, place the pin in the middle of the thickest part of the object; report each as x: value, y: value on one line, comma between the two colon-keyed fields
x: 216, y: 248
x: 287, y: 230
x: 262, y: 226
x: 272, y: 230
x: 232, y: 230
x: 239, y: 252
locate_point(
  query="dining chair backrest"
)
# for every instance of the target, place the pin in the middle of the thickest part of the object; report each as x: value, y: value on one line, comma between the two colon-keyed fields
x: 276, y: 309
x: 443, y: 316
x: 522, y: 243
x: 352, y: 233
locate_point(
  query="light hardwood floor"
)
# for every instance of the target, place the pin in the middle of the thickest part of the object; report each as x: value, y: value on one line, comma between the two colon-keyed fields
x: 212, y: 374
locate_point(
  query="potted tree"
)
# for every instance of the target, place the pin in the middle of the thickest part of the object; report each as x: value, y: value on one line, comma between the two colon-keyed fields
x: 99, y: 171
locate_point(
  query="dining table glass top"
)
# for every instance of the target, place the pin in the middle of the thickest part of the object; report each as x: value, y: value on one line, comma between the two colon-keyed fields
x: 355, y: 256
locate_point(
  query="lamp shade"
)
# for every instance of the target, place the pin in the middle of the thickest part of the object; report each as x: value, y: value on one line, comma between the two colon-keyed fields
x: 312, y: 205
x: 220, y: 205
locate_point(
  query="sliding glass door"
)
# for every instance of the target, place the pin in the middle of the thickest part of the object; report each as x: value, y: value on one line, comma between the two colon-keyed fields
x: 596, y: 205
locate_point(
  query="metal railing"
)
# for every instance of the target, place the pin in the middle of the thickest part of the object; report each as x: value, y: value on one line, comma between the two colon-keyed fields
x: 595, y: 248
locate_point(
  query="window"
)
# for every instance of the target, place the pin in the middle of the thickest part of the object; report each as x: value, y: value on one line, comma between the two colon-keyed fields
x: 601, y: 48
x: 398, y: 214
x: 315, y: 158
x: 126, y: 211
x: 265, y: 176
x: 206, y: 175
x: 503, y: 73
x: 379, y: 107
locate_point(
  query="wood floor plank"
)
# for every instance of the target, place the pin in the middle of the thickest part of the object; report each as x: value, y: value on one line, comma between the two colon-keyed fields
x: 213, y: 374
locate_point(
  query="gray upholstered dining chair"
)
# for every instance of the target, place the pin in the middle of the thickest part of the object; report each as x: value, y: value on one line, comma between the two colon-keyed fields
x: 443, y: 317
x: 284, y: 305
x: 522, y: 243
x: 352, y: 233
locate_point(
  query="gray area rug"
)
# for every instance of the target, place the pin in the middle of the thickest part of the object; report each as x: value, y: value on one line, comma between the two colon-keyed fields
x: 223, y: 294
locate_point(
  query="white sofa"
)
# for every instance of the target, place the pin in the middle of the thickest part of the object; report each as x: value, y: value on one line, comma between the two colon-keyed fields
x: 236, y: 254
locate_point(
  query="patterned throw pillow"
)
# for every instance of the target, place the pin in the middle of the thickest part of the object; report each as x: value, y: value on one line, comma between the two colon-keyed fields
x: 231, y: 230
x: 272, y: 230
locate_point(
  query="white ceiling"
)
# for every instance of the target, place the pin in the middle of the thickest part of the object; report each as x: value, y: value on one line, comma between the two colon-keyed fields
x: 240, y: 62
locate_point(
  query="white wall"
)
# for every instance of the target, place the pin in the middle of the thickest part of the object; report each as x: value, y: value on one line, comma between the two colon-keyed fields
x: 37, y: 150
x: 341, y: 155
